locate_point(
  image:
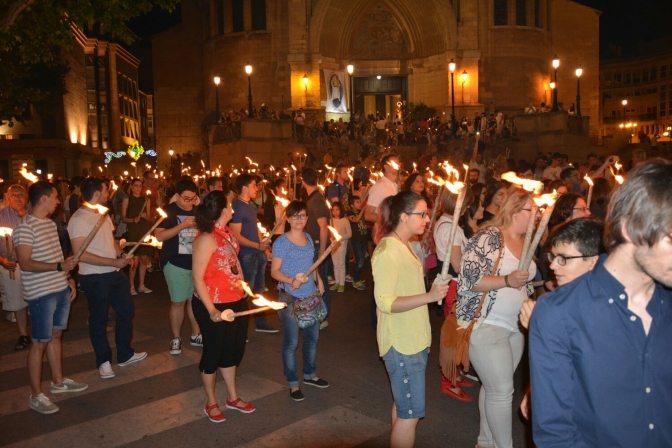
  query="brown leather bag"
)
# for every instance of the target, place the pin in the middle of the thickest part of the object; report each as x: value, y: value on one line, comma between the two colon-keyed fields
x: 454, y: 347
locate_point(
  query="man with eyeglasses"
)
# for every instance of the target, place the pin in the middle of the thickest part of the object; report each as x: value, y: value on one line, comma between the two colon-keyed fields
x: 12, y: 295
x: 599, y: 345
x: 177, y: 232
x: 573, y: 179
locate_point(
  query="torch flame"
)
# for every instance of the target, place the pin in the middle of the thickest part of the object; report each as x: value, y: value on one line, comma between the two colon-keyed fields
x: 102, y: 210
x: 466, y: 167
x: 28, y: 175
x: 333, y: 231
x: 328, y: 204
x: 261, y: 301
x: 439, y: 182
x: 588, y: 179
x: 152, y: 241
x: 293, y: 167
x: 100, y: 169
x: 618, y: 166
x: 546, y: 199
x: 282, y: 201
x: 619, y: 179
x: 246, y: 288
x: 454, y: 187
x: 149, y: 192
x: 6, y: 231
x: 263, y: 230
x: 162, y: 213
x: 527, y: 184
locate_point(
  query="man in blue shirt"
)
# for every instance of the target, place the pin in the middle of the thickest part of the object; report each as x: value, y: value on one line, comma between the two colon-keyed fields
x: 338, y: 190
x: 599, y: 346
x: 252, y: 248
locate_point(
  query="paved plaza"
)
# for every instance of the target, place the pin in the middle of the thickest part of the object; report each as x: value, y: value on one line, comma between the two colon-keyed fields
x: 159, y: 401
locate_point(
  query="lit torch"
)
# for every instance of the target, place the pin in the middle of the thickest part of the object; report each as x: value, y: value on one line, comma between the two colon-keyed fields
x: 549, y: 201
x: 9, y: 247
x: 28, y: 175
x: 103, y: 212
x: 590, y: 190
x: 303, y: 277
x: 162, y: 216
x: 260, y: 301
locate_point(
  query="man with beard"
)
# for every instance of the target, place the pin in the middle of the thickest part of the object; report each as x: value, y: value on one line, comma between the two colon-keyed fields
x: 599, y: 346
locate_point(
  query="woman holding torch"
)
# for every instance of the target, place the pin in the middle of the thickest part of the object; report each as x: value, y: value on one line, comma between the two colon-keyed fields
x: 491, y: 290
x: 403, y: 331
x: 293, y: 254
x: 135, y: 214
x: 217, y: 277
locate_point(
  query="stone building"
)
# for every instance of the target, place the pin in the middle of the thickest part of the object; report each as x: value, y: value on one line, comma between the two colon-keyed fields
x: 400, y: 50
x: 99, y: 113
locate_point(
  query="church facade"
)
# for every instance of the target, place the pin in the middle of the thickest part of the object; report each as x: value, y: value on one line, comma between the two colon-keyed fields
x: 401, y: 52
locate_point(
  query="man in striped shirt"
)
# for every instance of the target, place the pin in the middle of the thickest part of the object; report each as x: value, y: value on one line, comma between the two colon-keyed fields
x: 48, y: 289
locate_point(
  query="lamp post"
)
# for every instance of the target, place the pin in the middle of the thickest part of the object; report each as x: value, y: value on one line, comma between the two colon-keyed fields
x: 305, y: 82
x: 351, y: 69
x: 464, y: 75
x: 248, y: 70
x: 624, y: 103
x: 579, y: 72
x: 556, y: 64
x: 217, y: 80
x: 451, y: 66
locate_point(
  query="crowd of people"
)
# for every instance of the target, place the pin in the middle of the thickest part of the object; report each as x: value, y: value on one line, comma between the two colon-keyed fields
x: 595, y: 298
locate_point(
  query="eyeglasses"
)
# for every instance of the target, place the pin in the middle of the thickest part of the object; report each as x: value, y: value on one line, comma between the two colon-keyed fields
x: 423, y: 215
x: 298, y: 217
x: 191, y: 199
x: 562, y: 260
x: 582, y: 209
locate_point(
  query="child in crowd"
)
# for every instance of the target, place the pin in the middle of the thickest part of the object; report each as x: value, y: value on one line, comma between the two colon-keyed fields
x: 359, y: 239
x: 342, y: 226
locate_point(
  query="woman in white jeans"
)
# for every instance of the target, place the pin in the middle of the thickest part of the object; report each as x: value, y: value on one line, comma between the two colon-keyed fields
x: 496, y: 344
x: 342, y: 225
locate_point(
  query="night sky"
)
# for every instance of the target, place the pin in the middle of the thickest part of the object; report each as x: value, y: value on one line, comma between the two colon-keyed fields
x: 623, y: 22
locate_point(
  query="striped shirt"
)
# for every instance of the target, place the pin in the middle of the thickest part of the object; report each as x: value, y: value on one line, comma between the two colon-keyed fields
x: 42, y: 235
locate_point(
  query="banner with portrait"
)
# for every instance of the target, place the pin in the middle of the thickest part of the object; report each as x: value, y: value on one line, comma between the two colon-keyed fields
x: 338, y: 89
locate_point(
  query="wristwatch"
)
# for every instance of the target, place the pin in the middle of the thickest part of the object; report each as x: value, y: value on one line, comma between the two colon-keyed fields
x: 59, y: 268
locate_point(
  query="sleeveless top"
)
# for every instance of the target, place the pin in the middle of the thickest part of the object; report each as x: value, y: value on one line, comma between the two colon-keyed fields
x: 223, y: 273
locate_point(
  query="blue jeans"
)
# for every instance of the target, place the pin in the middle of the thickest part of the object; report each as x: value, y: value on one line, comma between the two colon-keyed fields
x: 324, y: 270
x: 103, y: 290
x: 290, y: 342
x: 254, y: 272
x: 49, y: 313
x: 359, y: 247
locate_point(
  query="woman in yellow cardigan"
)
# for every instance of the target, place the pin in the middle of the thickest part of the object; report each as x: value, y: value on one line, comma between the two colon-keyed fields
x: 403, y: 320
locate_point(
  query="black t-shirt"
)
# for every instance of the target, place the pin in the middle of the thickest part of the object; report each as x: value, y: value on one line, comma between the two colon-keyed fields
x: 317, y: 208
x: 177, y: 250
x: 360, y: 232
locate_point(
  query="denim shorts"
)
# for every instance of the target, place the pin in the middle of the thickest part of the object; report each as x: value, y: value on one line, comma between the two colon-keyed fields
x: 180, y: 284
x: 407, y: 377
x: 49, y: 313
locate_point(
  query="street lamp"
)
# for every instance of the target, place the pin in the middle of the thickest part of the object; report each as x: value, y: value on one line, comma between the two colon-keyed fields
x: 624, y: 103
x: 556, y: 64
x: 464, y: 79
x: 451, y: 66
x: 305, y: 82
x: 351, y: 69
x: 217, y: 80
x: 248, y: 70
x: 579, y: 72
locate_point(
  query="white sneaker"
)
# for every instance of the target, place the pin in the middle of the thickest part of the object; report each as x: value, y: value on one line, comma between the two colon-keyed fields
x: 105, y: 370
x: 348, y: 279
x: 42, y: 404
x: 137, y: 357
x: 68, y: 385
x: 144, y: 289
x: 133, y: 291
x: 176, y: 346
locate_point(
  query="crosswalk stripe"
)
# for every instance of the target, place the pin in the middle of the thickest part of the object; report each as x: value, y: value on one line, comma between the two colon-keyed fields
x: 16, y: 400
x: 70, y: 348
x: 337, y: 426
x: 152, y: 418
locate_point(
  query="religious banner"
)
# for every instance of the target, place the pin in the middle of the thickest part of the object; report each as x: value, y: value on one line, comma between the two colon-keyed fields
x: 337, y: 91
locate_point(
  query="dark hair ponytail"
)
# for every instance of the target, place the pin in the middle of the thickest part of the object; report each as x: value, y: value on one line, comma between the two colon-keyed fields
x: 390, y: 211
x: 209, y: 210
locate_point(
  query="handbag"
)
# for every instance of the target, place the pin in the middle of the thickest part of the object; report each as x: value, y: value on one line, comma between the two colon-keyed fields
x: 308, y: 311
x: 454, y: 347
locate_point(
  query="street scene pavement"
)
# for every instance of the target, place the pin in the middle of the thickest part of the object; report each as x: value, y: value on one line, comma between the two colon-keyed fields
x: 159, y: 401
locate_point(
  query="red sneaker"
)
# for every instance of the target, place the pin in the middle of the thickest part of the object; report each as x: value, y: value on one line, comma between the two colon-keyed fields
x: 247, y: 409
x: 459, y: 396
x: 214, y: 418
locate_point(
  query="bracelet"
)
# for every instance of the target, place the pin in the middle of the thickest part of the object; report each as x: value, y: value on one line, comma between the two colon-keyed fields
x: 506, y: 281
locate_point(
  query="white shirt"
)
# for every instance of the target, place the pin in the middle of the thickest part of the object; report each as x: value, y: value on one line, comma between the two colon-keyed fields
x: 442, y: 229
x: 103, y: 244
x: 552, y: 173
x: 504, y: 312
x: 381, y: 190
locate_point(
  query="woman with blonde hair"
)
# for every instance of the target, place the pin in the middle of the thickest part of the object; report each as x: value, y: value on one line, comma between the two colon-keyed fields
x: 491, y: 290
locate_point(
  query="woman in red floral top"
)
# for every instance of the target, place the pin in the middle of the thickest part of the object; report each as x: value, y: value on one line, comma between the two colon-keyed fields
x: 217, y: 275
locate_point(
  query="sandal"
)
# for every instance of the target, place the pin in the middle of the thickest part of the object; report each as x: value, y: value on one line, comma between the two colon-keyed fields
x: 24, y: 342
x: 459, y: 396
x: 247, y: 409
x: 214, y: 418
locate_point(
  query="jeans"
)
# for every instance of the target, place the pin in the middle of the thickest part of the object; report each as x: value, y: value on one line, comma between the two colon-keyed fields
x: 495, y: 353
x: 254, y: 272
x: 103, y: 290
x: 323, y: 270
x: 49, y: 313
x: 290, y: 341
x: 359, y: 247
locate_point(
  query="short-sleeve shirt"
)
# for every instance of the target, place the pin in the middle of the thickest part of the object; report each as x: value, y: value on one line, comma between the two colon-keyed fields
x: 42, y: 236
x: 339, y: 191
x: 80, y: 225
x: 317, y: 208
x: 177, y: 250
x: 245, y: 215
x: 295, y: 260
x: 360, y: 232
x: 382, y: 189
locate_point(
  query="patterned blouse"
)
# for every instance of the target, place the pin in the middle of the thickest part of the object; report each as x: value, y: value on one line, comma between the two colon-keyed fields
x: 478, y: 260
x: 224, y: 273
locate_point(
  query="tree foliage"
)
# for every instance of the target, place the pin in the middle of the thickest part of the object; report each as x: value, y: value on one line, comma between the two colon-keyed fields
x: 33, y: 35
